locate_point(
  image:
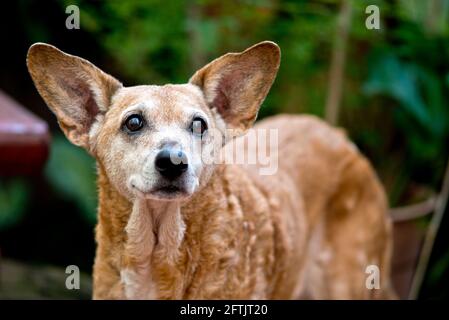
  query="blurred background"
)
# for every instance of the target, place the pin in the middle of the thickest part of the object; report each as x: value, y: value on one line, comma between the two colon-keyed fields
x: 388, y: 87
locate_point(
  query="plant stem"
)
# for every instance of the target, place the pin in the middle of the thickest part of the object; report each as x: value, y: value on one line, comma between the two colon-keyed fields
x: 440, y: 207
x: 338, y: 63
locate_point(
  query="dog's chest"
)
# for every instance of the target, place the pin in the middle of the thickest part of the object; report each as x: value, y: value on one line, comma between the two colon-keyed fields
x: 227, y: 243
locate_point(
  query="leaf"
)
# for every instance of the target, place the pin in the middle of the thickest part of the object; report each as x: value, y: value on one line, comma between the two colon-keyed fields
x: 71, y: 172
x: 13, y: 201
x: 390, y: 77
x: 433, y: 93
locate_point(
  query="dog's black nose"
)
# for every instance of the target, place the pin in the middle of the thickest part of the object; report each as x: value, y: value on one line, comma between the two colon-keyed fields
x: 171, y: 163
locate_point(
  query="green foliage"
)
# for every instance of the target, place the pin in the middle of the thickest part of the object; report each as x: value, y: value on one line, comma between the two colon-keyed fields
x: 155, y: 42
x: 71, y: 172
x: 411, y: 73
x: 421, y: 114
x: 13, y: 201
x: 146, y: 39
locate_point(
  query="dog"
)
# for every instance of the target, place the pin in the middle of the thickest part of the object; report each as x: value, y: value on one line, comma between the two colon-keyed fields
x: 173, y: 226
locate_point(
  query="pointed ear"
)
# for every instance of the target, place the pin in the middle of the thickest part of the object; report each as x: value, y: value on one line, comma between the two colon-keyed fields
x: 73, y: 88
x: 236, y: 84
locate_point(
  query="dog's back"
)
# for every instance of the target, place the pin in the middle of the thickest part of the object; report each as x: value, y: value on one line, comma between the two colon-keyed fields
x: 331, y: 208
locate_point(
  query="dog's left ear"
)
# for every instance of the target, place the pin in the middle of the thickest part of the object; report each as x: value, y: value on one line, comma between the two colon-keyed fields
x: 74, y: 89
x: 236, y: 84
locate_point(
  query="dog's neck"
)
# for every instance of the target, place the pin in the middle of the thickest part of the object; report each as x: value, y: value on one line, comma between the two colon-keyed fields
x: 128, y: 219
x: 136, y: 230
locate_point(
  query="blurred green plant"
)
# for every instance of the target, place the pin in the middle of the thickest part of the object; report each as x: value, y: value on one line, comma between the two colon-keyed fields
x: 71, y: 172
x: 14, y: 195
x: 146, y: 39
x: 411, y: 71
x: 422, y: 114
x: 156, y: 42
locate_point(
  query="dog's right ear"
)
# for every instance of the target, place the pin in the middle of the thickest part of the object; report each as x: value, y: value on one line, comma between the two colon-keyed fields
x: 236, y: 84
x: 73, y: 88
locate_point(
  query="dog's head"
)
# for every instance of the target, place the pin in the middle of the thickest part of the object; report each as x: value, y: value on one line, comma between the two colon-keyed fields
x: 153, y: 140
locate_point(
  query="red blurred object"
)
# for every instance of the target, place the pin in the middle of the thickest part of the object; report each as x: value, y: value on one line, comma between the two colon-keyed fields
x: 24, y: 139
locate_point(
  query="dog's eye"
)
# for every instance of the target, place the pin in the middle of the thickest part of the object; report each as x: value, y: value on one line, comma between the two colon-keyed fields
x: 134, y: 122
x: 199, y: 126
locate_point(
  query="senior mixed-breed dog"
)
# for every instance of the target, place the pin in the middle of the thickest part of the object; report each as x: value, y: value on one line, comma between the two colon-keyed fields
x: 195, y: 229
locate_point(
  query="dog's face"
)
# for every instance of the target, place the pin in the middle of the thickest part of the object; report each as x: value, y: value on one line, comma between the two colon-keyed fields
x: 157, y: 142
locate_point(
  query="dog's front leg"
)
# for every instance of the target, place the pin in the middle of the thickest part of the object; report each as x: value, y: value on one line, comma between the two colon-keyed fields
x: 136, y: 269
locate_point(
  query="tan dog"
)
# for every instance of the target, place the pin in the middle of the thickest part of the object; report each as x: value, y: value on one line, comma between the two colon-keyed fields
x: 171, y: 226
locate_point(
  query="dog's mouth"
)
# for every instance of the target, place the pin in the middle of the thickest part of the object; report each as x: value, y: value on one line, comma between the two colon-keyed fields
x: 165, y: 192
x: 162, y: 189
x: 168, y: 192
x: 170, y: 189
